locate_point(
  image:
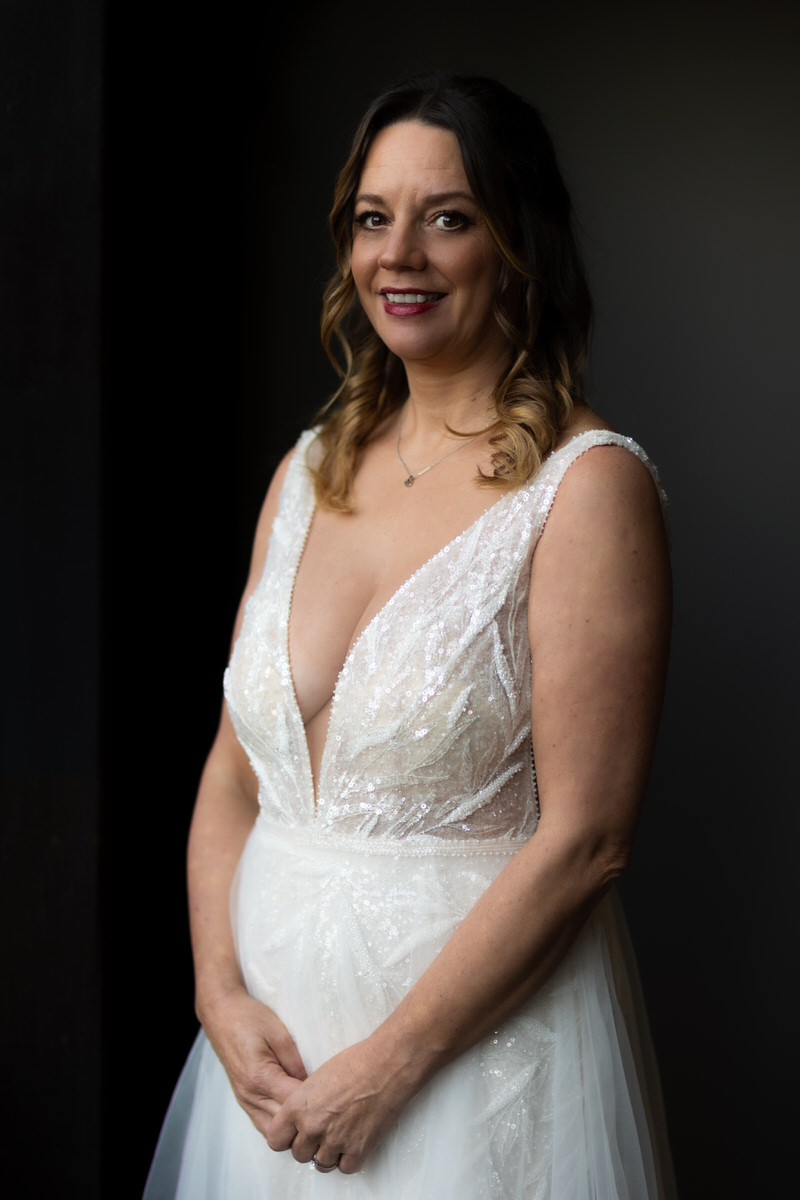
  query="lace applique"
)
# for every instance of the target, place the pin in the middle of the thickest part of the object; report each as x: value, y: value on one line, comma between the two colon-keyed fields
x: 429, y: 731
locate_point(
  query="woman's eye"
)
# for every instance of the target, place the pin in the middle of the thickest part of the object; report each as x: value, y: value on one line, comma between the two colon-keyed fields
x: 369, y: 220
x: 450, y: 220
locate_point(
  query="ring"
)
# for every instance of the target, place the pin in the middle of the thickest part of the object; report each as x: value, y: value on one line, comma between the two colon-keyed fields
x: 319, y: 1166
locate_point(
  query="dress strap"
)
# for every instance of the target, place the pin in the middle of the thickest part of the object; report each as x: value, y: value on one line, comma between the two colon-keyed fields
x: 556, y: 466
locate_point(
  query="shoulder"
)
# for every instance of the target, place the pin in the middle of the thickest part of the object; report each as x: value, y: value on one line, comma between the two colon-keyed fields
x: 605, y: 466
x: 297, y: 456
x: 592, y: 458
x: 606, y: 530
x: 271, y: 505
x: 596, y: 471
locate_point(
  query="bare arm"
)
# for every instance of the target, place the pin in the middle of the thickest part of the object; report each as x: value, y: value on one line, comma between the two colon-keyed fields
x: 254, y: 1046
x: 599, y: 628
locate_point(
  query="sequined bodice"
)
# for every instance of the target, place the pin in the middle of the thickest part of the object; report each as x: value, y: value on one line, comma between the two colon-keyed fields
x: 429, y: 732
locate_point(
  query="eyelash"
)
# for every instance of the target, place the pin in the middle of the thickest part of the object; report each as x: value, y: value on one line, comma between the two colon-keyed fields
x: 362, y: 220
x: 463, y: 221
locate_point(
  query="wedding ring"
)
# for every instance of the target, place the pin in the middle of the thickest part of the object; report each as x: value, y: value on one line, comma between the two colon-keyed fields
x: 319, y: 1167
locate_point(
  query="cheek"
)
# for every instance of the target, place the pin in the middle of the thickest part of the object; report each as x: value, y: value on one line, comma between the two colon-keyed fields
x: 362, y: 272
x: 480, y: 286
x: 360, y: 264
x: 479, y: 268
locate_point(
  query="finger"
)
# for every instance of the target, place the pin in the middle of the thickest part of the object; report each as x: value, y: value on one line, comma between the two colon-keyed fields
x: 265, y: 1090
x: 281, y: 1132
x: 276, y: 1084
x: 288, y: 1055
x: 320, y: 1161
x: 350, y: 1164
x: 302, y: 1149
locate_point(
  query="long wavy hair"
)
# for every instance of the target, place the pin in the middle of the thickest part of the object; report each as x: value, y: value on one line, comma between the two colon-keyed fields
x: 542, y: 302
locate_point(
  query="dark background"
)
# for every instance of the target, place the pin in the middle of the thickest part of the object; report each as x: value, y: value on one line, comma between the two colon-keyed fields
x: 165, y: 182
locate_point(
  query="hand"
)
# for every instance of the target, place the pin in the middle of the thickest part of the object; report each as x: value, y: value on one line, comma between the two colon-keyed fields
x: 257, y: 1052
x: 342, y: 1111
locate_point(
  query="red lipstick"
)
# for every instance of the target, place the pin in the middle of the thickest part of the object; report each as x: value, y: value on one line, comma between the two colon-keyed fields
x: 409, y: 302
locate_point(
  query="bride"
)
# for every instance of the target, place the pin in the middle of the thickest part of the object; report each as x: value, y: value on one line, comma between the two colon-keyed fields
x: 440, y: 712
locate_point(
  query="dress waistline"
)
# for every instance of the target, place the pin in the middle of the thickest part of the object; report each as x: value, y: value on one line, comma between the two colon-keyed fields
x: 297, y: 837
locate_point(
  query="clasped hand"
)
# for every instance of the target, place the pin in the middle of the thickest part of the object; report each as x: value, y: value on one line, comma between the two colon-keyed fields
x: 340, y: 1113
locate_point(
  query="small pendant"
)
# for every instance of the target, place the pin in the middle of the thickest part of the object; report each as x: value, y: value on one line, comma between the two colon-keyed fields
x: 408, y: 482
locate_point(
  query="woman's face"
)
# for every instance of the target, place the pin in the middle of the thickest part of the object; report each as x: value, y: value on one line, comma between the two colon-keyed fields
x: 423, y: 261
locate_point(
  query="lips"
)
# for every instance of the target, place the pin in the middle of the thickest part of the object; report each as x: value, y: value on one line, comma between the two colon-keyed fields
x: 399, y: 303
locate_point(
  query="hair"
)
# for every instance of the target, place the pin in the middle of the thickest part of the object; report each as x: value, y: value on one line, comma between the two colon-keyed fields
x: 542, y: 302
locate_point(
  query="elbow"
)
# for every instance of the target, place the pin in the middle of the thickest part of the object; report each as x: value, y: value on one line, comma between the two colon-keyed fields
x: 609, y: 861
x: 597, y: 859
x: 591, y: 858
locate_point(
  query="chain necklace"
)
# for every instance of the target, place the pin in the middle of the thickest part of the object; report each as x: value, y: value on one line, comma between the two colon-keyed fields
x: 411, y: 474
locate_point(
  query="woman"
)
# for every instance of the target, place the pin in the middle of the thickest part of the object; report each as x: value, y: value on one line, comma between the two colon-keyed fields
x: 419, y: 990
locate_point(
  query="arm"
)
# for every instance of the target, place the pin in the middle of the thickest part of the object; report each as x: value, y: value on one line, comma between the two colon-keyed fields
x: 255, y: 1048
x: 599, y: 618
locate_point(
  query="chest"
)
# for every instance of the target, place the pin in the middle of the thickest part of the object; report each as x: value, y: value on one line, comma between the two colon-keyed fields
x: 350, y: 566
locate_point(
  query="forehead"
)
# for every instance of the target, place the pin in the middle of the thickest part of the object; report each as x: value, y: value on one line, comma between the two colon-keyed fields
x: 410, y: 151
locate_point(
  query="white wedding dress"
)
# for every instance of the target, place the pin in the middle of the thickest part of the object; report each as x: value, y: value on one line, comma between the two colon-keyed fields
x: 426, y: 790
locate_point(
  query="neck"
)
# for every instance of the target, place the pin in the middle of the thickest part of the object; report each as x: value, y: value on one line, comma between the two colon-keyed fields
x: 463, y: 401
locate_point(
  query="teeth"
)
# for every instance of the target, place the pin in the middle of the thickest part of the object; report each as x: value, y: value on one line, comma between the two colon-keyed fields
x: 408, y: 297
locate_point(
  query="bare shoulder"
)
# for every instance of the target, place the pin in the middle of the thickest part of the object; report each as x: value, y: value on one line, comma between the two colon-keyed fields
x: 269, y: 510
x: 607, y: 487
x: 604, y: 548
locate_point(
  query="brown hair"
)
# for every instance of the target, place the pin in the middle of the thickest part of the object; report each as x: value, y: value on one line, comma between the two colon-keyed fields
x: 511, y: 168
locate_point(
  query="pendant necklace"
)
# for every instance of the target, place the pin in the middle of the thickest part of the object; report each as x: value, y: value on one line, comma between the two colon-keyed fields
x: 411, y: 475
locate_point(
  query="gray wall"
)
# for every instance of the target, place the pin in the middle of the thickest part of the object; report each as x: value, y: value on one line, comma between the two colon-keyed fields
x: 676, y: 125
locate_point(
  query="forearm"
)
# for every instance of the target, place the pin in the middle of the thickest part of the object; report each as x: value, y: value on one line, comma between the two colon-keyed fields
x: 501, y: 954
x: 503, y: 951
x: 253, y: 1045
x: 223, y: 817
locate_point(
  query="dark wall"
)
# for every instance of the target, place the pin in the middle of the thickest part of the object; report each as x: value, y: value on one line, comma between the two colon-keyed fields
x: 676, y: 126
x: 50, y: 242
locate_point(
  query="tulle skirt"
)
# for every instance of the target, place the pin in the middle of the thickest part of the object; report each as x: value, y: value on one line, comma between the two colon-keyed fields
x: 560, y: 1103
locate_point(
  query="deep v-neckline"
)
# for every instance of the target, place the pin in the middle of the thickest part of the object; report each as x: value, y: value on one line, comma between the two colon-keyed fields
x: 314, y: 785
x: 379, y: 614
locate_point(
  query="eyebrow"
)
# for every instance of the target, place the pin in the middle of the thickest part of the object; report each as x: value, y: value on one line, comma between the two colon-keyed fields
x: 434, y: 198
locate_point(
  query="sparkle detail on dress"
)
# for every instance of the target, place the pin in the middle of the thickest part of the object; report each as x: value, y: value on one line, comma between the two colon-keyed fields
x: 429, y: 728
x: 349, y: 887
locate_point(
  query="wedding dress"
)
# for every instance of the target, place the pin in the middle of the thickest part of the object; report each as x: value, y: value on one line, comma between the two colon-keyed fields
x: 426, y: 789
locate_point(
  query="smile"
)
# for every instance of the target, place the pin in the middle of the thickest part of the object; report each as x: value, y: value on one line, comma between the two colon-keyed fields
x: 412, y: 297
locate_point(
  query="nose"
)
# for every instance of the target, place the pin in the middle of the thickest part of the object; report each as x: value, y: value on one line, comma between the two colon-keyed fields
x: 402, y: 247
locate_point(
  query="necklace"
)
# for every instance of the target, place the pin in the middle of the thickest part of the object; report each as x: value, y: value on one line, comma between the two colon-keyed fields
x: 411, y: 475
